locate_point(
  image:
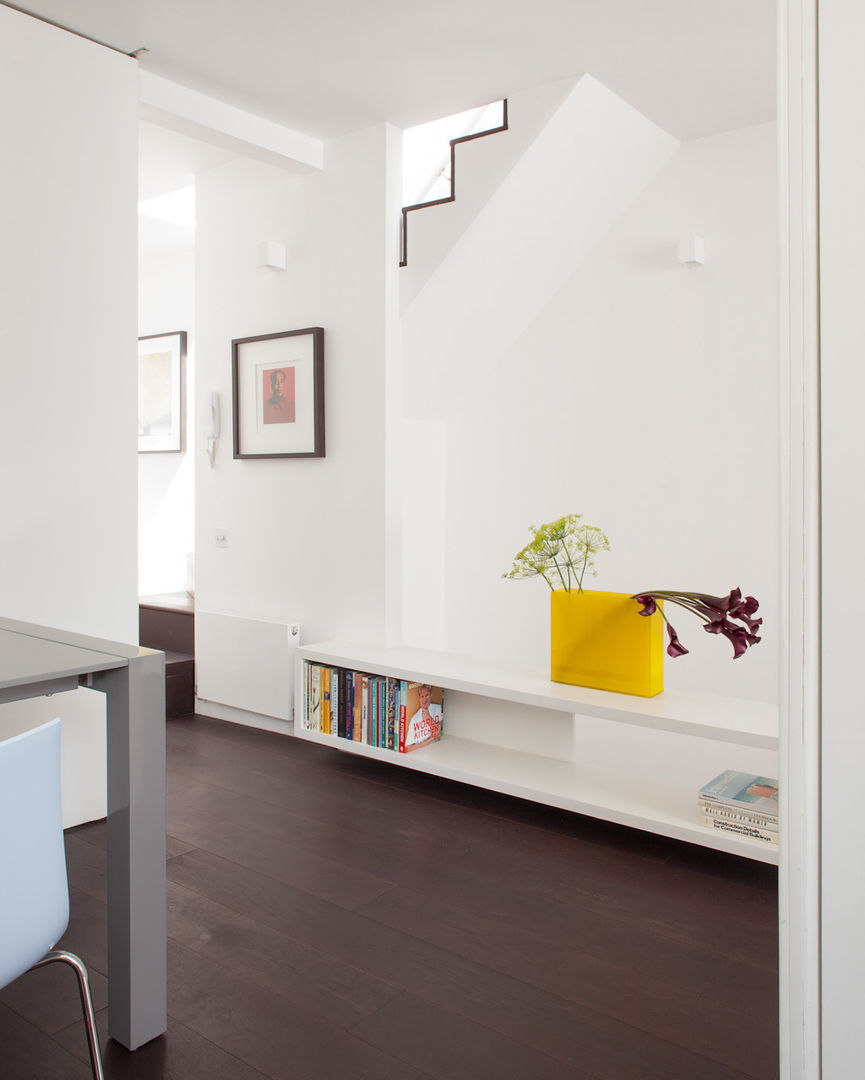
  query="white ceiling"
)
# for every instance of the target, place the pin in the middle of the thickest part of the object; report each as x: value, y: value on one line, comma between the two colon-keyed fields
x: 329, y: 67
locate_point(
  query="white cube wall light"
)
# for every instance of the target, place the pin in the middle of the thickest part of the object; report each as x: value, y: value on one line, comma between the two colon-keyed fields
x: 271, y: 255
x: 692, y: 251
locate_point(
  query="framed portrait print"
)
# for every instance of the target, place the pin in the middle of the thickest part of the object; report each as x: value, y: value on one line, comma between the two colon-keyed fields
x: 160, y: 392
x: 278, y: 386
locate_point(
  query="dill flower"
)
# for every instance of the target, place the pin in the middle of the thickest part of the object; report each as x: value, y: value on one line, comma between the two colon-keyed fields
x: 561, y: 552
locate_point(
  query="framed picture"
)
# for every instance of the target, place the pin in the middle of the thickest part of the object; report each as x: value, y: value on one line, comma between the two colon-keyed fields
x: 278, y: 382
x: 160, y: 392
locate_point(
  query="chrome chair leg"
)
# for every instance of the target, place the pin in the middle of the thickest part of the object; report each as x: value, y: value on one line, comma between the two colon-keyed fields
x: 62, y: 956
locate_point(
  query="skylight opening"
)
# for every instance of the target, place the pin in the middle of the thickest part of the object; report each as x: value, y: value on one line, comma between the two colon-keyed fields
x: 426, y: 151
x: 176, y: 207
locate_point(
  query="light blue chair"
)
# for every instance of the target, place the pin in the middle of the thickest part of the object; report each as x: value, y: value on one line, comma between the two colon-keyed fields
x: 34, y: 895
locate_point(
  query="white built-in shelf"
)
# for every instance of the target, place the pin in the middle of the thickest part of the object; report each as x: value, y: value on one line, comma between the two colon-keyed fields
x: 747, y: 723
x: 645, y: 799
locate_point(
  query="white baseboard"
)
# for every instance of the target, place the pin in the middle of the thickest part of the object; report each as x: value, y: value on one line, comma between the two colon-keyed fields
x: 240, y: 716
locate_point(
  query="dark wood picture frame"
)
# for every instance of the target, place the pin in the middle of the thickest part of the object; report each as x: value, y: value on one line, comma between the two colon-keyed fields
x: 158, y: 388
x: 289, y: 423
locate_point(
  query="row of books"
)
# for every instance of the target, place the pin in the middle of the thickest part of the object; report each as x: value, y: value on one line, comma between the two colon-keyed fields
x: 377, y: 710
x: 742, y: 804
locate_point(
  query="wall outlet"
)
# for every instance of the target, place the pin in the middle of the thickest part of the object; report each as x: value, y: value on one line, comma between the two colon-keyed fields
x: 220, y: 538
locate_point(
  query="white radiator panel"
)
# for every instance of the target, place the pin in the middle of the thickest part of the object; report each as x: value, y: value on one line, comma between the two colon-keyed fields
x: 245, y: 663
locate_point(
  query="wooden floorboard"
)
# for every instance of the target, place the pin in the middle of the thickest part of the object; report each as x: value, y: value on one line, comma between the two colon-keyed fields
x: 332, y: 918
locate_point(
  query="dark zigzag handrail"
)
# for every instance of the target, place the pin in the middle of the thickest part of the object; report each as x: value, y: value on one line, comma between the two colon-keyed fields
x: 448, y: 198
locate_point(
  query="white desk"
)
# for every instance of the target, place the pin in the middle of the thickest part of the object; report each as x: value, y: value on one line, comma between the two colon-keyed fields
x: 37, y: 660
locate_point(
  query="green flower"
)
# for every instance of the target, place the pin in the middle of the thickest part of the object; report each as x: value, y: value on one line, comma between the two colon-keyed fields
x: 561, y: 552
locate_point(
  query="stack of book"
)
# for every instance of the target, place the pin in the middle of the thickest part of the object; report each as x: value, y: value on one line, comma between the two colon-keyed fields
x: 741, y: 803
x: 388, y: 713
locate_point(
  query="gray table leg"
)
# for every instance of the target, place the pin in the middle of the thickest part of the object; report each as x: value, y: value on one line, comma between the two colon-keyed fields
x: 137, y: 1002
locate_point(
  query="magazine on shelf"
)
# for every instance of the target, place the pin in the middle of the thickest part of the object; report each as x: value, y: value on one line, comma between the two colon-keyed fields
x: 732, y: 813
x: 421, y: 715
x: 739, y: 828
x: 757, y: 794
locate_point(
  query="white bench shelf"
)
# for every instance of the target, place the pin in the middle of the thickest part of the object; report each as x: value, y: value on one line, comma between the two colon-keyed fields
x: 634, y: 761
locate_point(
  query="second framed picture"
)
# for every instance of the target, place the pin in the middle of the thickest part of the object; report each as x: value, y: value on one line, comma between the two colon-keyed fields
x: 278, y: 386
x: 161, y: 359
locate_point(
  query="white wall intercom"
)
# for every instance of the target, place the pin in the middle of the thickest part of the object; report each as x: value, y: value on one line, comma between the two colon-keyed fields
x: 213, y: 427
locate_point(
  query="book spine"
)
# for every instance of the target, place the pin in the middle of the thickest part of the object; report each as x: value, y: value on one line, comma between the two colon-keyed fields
x: 375, y: 692
x: 309, y: 709
x: 355, y: 699
x: 307, y: 695
x: 356, y: 702
x: 337, y: 704
x: 349, y: 705
x: 378, y: 703
x: 739, y: 829
x: 324, y: 724
x: 762, y: 821
x: 364, y: 706
x: 733, y: 804
x: 391, y: 712
x: 403, y: 691
x: 315, y: 680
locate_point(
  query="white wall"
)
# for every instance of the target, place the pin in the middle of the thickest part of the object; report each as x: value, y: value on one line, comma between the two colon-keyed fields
x: 640, y: 393
x: 68, y: 128
x: 590, y: 160
x: 166, y: 482
x: 842, y: 322
x: 307, y: 537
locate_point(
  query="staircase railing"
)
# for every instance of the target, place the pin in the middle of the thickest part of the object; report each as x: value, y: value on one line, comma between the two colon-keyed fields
x: 403, y: 261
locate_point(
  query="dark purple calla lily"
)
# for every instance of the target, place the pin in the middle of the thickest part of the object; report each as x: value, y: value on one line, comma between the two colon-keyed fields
x: 745, y: 607
x: 675, y: 648
x: 738, y: 638
x: 716, y: 613
x: 649, y: 605
x: 743, y: 612
x: 734, y: 599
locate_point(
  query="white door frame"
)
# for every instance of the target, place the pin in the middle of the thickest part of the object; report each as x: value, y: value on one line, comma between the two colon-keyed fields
x: 799, y: 869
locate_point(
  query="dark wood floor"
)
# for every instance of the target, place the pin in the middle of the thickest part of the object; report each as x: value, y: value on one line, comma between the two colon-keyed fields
x: 336, y: 919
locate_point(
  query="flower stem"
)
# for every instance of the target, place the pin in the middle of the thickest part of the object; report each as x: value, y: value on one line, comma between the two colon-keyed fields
x: 682, y: 599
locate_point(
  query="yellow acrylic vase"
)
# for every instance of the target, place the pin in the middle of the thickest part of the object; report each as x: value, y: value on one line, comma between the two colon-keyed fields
x: 599, y: 639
